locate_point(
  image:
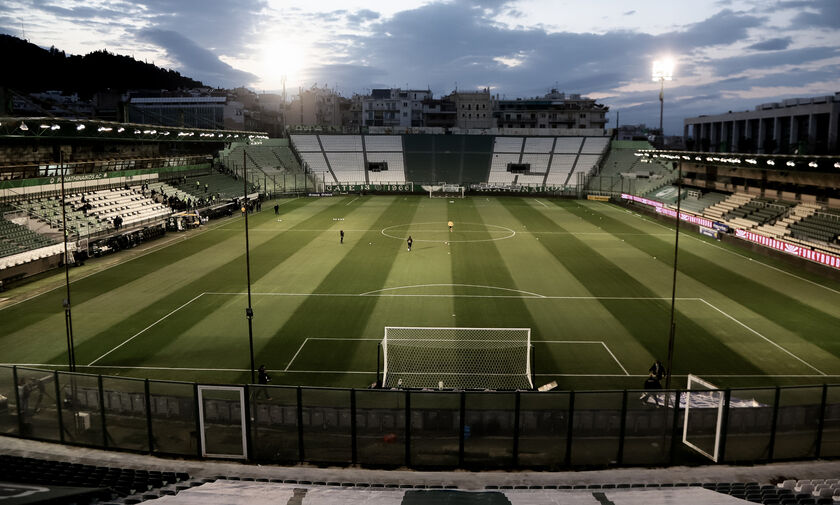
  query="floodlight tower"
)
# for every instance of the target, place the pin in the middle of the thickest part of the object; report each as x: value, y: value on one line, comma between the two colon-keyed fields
x: 663, y: 70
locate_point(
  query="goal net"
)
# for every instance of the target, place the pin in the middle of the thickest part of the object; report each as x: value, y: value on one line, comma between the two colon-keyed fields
x: 457, y: 358
x: 446, y: 191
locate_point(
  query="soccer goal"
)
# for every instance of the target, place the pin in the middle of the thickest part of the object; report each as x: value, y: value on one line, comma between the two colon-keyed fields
x: 446, y: 191
x: 457, y: 358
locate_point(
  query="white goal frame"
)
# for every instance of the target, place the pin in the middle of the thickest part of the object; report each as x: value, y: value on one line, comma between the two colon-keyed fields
x: 718, y: 398
x: 476, y: 345
x: 447, y: 191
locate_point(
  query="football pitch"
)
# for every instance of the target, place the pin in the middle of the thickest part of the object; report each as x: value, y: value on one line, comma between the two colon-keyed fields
x: 592, y: 280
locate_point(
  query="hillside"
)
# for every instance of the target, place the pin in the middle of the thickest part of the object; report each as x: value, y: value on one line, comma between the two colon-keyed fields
x: 32, y: 68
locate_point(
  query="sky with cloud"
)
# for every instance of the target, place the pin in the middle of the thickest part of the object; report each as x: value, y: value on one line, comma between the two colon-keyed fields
x: 729, y: 54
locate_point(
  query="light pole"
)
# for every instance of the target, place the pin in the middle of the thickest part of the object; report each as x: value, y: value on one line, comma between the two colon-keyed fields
x: 663, y: 70
x: 249, y: 311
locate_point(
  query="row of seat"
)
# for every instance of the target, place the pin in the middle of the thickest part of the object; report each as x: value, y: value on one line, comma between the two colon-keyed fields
x: 123, y: 481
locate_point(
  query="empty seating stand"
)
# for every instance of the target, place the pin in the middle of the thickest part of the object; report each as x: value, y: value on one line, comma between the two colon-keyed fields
x: 820, y: 227
x: 116, y: 482
x: 757, y: 212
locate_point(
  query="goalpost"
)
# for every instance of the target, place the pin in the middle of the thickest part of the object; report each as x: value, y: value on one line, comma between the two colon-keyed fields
x: 446, y: 191
x: 703, y: 405
x: 457, y: 358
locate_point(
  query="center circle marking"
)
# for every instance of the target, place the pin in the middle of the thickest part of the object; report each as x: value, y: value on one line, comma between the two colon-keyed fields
x: 442, y: 228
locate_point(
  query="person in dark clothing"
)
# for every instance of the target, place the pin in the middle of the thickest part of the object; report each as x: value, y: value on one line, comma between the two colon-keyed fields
x: 263, y: 379
x: 651, y: 385
x: 657, y: 369
x: 341, y: 237
x: 409, y: 242
x: 277, y: 210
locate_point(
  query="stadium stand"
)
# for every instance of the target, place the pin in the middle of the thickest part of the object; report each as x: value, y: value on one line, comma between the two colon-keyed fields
x: 273, y: 157
x: 757, y: 212
x: 780, y: 228
x: 718, y: 210
x: 567, y: 145
x: 128, y: 204
x: 561, y: 168
x: 539, y: 168
x: 316, y: 163
x: 377, y: 143
x: 821, y: 227
x: 539, y: 145
x: 344, y: 143
x: 499, y: 173
x: 348, y: 167
x: 623, y: 171
x: 19, y: 244
x: 594, y: 145
x: 508, y: 145
x: 222, y: 185
x: 396, y: 167
x: 697, y: 205
x: 109, y: 483
x: 459, y: 159
x: 306, y: 143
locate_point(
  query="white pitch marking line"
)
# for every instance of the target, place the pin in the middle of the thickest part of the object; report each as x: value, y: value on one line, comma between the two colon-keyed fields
x: 144, y: 329
x: 351, y: 201
x: 539, y: 202
x: 616, y: 359
x: 192, y: 369
x: 766, y: 339
x: 451, y: 285
x: 296, y: 354
x: 320, y: 338
x: 156, y: 247
x: 530, y: 296
x: 741, y: 255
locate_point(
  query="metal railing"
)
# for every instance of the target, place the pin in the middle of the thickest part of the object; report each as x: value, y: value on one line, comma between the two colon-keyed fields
x: 414, y: 428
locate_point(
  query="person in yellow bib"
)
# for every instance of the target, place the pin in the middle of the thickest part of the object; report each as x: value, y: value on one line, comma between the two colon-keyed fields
x: 451, y: 224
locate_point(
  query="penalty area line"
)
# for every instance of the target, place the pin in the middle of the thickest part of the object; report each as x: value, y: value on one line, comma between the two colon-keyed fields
x: 144, y: 329
x: 794, y: 356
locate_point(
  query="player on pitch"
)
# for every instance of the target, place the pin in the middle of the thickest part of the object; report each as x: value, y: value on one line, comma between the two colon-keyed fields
x: 409, y: 242
x: 451, y: 224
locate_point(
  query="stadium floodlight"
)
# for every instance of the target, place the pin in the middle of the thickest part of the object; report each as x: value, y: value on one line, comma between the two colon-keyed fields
x: 790, y: 164
x: 663, y: 70
x: 55, y: 127
x: 80, y: 127
x: 120, y: 129
x: 813, y: 164
x: 45, y: 126
x: 23, y: 126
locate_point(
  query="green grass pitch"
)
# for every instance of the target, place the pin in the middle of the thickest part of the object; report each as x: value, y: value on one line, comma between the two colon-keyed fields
x: 592, y: 280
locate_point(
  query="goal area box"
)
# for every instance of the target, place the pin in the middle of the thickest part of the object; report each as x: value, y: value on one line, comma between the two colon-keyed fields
x: 457, y: 358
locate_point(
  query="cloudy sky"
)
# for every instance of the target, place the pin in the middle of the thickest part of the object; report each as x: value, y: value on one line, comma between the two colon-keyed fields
x: 729, y: 54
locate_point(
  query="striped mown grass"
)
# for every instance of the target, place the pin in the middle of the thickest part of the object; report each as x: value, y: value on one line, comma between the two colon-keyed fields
x: 592, y: 280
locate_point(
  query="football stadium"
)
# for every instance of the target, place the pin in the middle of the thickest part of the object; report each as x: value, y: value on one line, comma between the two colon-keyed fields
x: 420, y: 315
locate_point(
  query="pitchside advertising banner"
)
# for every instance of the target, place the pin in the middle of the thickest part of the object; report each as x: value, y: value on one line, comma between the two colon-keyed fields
x: 407, y: 187
x: 779, y: 245
x: 517, y: 189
